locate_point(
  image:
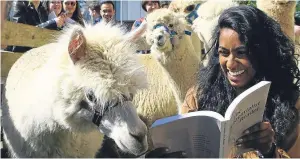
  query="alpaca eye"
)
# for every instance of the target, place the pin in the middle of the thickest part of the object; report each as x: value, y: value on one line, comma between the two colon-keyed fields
x: 171, y: 25
x: 91, y: 97
x: 190, y: 8
x: 130, y: 96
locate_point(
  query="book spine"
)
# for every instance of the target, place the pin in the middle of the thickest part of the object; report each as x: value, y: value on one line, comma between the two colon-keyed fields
x: 222, y: 139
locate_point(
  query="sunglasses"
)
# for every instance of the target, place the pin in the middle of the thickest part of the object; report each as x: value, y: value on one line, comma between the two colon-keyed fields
x: 55, y: 2
x: 68, y: 3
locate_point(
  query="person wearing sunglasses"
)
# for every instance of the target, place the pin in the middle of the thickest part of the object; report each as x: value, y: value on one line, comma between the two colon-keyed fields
x: 72, y: 11
x: 56, y: 18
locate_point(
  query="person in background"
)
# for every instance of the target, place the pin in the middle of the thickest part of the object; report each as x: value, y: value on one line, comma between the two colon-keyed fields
x: 31, y: 13
x: 239, y: 51
x: 148, y: 6
x: 72, y: 11
x: 107, y: 11
x: 95, y: 12
x: 54, y: 7
x: 164, y: 4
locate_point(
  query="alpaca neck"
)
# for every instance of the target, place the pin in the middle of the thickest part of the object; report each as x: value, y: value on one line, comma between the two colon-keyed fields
x: 181, y: 66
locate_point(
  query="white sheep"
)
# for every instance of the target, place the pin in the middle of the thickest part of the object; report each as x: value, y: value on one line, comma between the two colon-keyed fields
x: 62, y: 95
x: 172, y: 47
x: 188, y: 9
x: 208, y: 15
x: 170, y: 68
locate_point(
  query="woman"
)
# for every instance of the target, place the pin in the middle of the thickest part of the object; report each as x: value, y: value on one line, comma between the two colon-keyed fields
x: 148, y: 6
x: 57, y: 21
x: 54, y: 6
x: 71, y: 7
x: 248, y: 47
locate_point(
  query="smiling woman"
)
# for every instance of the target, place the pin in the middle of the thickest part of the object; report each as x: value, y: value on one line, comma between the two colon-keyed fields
x: 71, y: 7
x: 234, y: 61
x: 249, y: 47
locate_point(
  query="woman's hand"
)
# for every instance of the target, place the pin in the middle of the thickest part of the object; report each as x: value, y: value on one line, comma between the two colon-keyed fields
x: 60, y: 20
x: 259, y: 136
x: 163, y: 152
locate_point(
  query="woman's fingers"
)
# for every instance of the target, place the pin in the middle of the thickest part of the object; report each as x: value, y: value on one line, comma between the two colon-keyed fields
x: 257, y: 127
x: 263, y: 144
x: 259, y: 136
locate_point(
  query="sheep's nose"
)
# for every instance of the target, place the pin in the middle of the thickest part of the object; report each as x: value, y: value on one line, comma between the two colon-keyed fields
x: 160, y: 40
x: 159, y: 37
x: 138, y: 137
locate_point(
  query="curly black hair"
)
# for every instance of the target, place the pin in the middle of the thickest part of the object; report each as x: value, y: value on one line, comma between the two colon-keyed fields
x: 271, y: 53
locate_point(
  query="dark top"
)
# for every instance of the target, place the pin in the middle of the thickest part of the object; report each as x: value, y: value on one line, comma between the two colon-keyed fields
x: 24, y: 12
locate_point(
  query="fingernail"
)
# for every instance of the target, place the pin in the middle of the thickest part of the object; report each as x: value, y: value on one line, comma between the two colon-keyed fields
x: 240, y: 140
x: 247, y: 132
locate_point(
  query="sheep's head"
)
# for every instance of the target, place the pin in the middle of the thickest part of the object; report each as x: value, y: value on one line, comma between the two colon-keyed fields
x: 164, y: 30
x: 99, y: 77
x: 187, y: 8
x: 208, y: 15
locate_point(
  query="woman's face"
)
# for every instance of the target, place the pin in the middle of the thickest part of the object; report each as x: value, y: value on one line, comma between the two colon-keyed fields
x: 233, y: 59
x: 70, y: 6
x: 55, y: 6
x: 151, y: 6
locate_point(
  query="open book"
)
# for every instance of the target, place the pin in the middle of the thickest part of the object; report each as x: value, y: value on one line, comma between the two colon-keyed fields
x: 209, y: 134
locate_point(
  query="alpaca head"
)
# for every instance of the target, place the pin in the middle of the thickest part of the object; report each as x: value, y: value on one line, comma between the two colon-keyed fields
x: 208, y: 15
x: 187, y: 8
x: 164, y: 30
x: 99, y: 76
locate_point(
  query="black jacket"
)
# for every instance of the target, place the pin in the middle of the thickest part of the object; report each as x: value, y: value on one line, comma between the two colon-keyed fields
x: 24, y: 12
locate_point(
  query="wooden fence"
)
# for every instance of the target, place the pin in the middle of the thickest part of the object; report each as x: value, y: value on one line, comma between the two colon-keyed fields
x: 17, y: 34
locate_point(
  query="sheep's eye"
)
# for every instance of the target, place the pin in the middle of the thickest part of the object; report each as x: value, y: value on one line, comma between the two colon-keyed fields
x: 190, y: 8
x: 130, y: 96
x: 171, y: 25
x: 91, y: 97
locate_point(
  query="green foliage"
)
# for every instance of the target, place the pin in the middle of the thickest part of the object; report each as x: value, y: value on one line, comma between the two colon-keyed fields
x: 247, y: 2
x: 298, y: 6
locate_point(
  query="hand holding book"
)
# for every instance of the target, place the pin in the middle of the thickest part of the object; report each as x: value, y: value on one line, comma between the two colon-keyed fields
x: 209, y: 134
x: 259, y: 136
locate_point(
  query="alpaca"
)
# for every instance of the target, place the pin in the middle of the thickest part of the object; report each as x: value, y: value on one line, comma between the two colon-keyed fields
x: 152, y: 102
x: 173, y: 50
x: 171, y: 70
x: 61, y: 97
x: 209, y: 13
x: 282, y: 11
x: 188, y: 9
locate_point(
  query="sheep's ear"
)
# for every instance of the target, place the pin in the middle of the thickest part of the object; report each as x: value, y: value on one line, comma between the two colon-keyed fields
x: 137, y: 33
x: 77, y: 45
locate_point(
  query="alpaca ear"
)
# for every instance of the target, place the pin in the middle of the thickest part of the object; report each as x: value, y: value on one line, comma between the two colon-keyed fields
x: 137, y: 33
x: 77, y: 45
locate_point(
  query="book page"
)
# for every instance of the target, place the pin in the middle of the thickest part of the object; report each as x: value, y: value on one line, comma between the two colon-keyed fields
x: 198, y: 136
x: 246, y: 110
